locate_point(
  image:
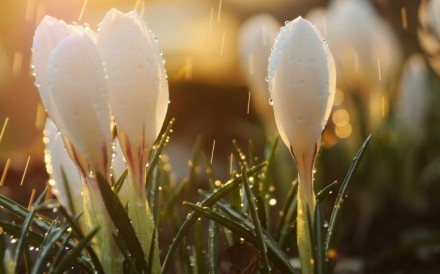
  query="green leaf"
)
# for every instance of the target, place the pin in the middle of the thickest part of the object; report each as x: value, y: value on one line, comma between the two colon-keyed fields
x: 22, y: 212
x: 53, y: 236
x: 71, y: 256
x: 244, y: 231
x: 212, y: 247
x: 158, y: 151
x: 192, y: 217
x: 66, y: 186
x: 274, y: 252
x: 325, y: 192
x: 199, y: 252
x: 319, y: 241
x: 73, y: 222
x: 121, y: 221
x: 22, y: 239
x: 335, y: 217
x: 253, y: 208
x: 288, y: 216
x: 120, y: 182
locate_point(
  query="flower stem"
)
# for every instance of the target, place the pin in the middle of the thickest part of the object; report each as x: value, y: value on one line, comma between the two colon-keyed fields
x: 142, y: 219
x: 96, y: 216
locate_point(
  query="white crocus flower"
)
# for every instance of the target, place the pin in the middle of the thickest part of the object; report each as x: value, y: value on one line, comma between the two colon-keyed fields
x: 71, y: 81
x: 257, y: 36
x: 137, y: 84
x: 302, y: 82
x: 414, y: 94
x: 138, y: 95
x: 366, y: 49
x: 57, y: 160
x: 429, y: 32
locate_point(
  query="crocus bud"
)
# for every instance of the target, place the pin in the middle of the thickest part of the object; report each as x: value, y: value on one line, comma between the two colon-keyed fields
x: 57, y: 160
x: 138, y: 95
x: 302, y: 85
x: 414, y: 92
x: 72, y: 85
x: 366, y: 50
x: 429, y: 32
x: 257, y: 36
x: 302, y: 82
x: 137, y: 82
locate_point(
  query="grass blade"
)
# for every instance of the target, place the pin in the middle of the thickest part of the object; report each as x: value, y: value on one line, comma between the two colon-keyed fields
x: 244, y: 231
x: 121, y: 221
x: 199, y: 253
x: 212, y: 247
x: 319, y: 241
x: 163, y: 141
x: 288, y: 214
x: 46, y: 248
x: 75, y: 252
x: 66, y: 186
x: 192, y: 217
x: 261, y: 244
x: 120, y: 182
x: 335, y: 216
x: 325, y: 192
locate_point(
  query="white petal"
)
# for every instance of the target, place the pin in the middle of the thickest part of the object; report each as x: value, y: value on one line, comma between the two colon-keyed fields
x: 76, y: 82
x: 58, y: 159
x: 302, y: 83
x: 138, y: 88
x: 414, y: 96
x: 360, y: 40
x: 49, y: 33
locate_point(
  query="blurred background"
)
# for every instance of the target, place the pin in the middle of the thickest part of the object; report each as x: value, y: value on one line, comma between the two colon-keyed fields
x: 388, y: 60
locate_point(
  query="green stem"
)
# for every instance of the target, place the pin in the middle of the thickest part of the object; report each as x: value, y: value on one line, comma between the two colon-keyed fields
x: 142, y: 219
x: 96, y: 216
x: 305, y: 231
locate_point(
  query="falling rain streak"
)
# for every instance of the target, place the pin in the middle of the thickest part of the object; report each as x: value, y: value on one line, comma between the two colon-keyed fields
x: 212, y: 152
x: 25, y: 170
x: 5, y: 172
x: 249, y: 102
x: 137, y: 5
x: 219, y: 13
x: 356, y: 62
x: 31, y: 199
x: 39, y: 117
x: 251, y: 64
x: 30, y: 11
x: 5, y: 124
x: 210, y: 20
x: 404, y: 18
x: 231, y: 163
x: 17, y: 63
x: 82, y: 10
x: 223, y: 44
x: 378, y: 70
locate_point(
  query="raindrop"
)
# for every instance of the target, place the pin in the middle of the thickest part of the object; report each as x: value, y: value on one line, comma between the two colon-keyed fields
x: 271, y: 101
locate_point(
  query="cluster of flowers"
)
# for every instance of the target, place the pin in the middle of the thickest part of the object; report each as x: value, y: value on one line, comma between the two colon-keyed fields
x: 89, y: 82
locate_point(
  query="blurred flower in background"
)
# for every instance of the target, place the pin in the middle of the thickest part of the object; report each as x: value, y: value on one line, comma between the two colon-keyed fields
x: 429, y: 31
x: 257, y: 36
x: 414, y: 97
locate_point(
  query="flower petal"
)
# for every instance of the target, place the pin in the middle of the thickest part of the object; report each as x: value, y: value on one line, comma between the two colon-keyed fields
x: 302, y: 81
x: 137, y: 81
x: 76, y: 82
